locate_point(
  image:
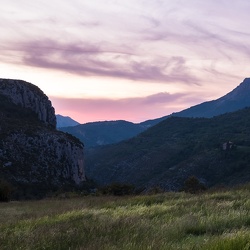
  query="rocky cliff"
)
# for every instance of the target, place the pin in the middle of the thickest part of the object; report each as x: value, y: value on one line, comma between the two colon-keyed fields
x: 29, y: 96
x: 32, y: 151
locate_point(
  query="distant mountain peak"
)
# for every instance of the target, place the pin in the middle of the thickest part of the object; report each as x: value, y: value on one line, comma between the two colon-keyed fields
x: 245, y: 84
x: 65, y: 121
x: 246, y: 80
x: 238, y: 98
x: 240, y: 93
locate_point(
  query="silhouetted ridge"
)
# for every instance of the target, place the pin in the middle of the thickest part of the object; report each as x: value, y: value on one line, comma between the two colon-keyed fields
x: 238, y: 98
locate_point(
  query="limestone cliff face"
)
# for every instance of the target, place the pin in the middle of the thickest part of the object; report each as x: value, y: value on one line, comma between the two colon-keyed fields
x: 32, y: 151
x: 42, y: 157
x: 29, y: 96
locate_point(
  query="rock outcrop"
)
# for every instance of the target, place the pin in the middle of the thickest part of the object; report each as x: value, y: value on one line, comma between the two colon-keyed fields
x: 29, y: 96
x: 32, y: 151
x: 42, y: 157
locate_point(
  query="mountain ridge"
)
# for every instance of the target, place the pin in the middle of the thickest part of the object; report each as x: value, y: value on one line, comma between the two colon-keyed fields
x: 106, y: 132
x: 237, y: 99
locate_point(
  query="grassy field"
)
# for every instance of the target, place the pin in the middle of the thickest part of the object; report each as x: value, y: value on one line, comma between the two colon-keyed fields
x: 212, y: 220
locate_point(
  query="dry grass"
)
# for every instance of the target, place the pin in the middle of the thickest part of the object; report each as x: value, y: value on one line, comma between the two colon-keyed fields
x: 216, y: 220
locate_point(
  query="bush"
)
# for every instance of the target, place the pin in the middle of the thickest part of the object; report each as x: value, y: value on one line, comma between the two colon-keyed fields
x: 193, y: 185
x: 118, y: 189
x: 5, y: 191
x: 155, y: 190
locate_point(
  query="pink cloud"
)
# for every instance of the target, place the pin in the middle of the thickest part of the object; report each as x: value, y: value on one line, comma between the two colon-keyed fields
x: 131, y: 109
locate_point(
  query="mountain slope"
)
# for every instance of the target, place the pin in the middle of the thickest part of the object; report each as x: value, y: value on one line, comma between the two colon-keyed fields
x: 32, y: 152
x: 236, y: 99
x: 168, y: 153
x: 65, y: 121
x: 102, y: 133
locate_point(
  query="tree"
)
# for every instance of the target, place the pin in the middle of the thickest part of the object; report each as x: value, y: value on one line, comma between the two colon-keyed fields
x: 193, y: 185
x: 118, y: 189
x: 5, y: 191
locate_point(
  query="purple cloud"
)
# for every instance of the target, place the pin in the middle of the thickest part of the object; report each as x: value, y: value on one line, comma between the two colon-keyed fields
x: 98, y: 60
x: 217, y: 40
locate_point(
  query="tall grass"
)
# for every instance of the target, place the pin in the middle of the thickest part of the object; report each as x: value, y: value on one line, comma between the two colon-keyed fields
x: 215, y: 220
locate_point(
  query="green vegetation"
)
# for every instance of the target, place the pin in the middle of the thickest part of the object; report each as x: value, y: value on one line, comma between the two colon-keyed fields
x: 193, y: 185
x: 117, y: 189
x: 101, y: 133
x: 211, y: 220
x: 176, y: 148
x: 5, y: 190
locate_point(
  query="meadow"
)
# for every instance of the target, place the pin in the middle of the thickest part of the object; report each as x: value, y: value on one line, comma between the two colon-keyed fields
x: 215, y: 220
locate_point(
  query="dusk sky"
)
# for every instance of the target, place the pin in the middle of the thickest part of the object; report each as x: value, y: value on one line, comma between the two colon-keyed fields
x: 126, y: 59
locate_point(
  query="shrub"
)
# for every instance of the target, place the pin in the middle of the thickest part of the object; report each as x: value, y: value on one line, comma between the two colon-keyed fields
x: 5, y: 191
x: 155, y: 190
x: 193, y: 185
x: 118, y: 189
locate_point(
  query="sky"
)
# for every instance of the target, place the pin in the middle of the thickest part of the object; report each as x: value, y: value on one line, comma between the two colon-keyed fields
x: 126, y: 59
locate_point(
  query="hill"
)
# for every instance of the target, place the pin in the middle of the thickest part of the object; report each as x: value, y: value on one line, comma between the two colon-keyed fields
x: 65, y: 121
x: 168, y: 153
x: 34, y: 156
x: 108, y: 132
